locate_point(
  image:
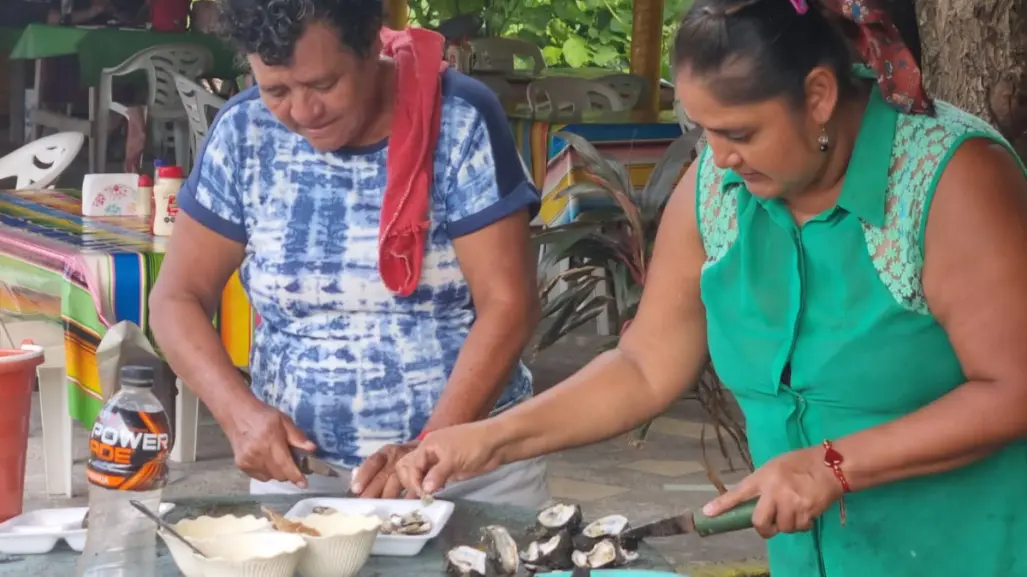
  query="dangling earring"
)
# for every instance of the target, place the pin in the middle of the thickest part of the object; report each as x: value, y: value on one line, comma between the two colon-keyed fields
x: 823, y: 141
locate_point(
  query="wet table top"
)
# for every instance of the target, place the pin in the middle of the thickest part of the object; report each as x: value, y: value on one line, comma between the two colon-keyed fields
x: 462, y: 529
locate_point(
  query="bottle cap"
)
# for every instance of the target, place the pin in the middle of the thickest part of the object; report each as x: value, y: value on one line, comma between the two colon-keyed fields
x: 137, y: 376
x: 145, y: 180
x: 170, y: 172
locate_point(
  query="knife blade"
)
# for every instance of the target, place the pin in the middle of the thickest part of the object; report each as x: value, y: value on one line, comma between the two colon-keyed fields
x: 736, y: 519
x: 310, y: 465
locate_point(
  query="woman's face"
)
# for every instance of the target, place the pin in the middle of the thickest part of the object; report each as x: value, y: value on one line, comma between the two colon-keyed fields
x: 326, y: 94
x: 772, y: 144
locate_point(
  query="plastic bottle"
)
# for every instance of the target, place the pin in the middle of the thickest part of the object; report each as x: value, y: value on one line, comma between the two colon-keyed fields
x: 144, y: 195
x: 165, y: 198
x: 128, y: 450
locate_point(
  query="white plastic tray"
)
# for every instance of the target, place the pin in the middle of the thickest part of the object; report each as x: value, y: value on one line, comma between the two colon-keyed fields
x: 39, y: 531
x: 438, y: 512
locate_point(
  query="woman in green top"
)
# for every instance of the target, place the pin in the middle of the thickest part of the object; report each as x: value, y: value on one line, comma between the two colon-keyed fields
x: 853, y: 256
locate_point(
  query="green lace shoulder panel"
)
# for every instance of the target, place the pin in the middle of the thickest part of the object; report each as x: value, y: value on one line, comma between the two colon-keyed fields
x: 716, y: 211
x: 922, y: 148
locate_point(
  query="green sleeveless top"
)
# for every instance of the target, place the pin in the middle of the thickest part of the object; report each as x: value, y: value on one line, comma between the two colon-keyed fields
x: 823, y: 330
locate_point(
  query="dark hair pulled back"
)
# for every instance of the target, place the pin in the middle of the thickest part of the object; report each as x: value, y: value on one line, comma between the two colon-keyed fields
x: 756, y: 50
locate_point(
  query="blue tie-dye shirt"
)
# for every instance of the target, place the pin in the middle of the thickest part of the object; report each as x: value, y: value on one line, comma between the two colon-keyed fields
x: 354, y: 365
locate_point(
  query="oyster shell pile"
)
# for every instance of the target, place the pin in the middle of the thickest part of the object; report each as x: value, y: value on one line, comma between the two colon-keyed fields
x: 412, y: 523
x: 559, y: 542
x: 496, y: 556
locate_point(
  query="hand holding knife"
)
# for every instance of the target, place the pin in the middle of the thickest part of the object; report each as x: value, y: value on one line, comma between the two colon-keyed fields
x: 736, y: 519
x: 308, y: 464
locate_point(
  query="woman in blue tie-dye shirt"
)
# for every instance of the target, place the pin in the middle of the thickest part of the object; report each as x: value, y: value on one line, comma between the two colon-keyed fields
x: 288, y: 190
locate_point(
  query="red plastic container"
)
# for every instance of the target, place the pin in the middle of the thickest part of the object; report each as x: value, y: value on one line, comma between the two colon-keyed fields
x: 169, y: 15
x: 17, y: 375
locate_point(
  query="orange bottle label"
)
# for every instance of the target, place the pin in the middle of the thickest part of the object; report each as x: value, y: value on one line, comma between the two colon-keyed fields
x: 128, y: 450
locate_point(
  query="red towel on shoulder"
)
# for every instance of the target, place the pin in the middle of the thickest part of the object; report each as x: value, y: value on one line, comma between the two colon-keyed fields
x: 403, y: 232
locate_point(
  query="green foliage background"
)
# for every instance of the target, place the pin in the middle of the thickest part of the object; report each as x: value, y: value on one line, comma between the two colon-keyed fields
x: 571, y: 33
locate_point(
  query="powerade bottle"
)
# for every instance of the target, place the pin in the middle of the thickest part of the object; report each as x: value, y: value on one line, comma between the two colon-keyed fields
x: 128, y: 451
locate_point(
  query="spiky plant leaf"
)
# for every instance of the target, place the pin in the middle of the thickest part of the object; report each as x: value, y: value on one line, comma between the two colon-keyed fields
x: 666, y: 173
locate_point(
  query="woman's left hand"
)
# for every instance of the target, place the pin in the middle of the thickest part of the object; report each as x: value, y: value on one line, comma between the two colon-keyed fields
x: 793, y: 490
x: 376, y: 478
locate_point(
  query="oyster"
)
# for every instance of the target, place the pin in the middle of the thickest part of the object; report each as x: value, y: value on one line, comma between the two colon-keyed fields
x: 606, y: 553
x: 501, y: 550
x: 412, y: 523
x: 552, y: 553
x: 555, y: 518
x: 464, y: 561
x: 609, y: 527
x: 321, y: 510
x: 284, y: 525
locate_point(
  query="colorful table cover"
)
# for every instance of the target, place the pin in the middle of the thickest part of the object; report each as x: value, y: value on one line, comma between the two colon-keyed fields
x: 90, y: 273
x: 100, y: 47
x: 636, y: 138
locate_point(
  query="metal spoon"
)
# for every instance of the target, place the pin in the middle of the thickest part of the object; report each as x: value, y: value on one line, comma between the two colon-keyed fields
x: 165, y: 527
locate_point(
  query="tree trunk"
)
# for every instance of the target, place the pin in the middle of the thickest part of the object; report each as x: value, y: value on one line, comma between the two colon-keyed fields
x: 975, y: 56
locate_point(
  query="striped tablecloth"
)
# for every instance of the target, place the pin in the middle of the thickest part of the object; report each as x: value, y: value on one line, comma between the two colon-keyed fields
x: 89, y: 274
x: 637, y: 139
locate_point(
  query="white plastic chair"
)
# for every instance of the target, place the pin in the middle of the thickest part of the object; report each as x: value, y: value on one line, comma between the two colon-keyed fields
x: 163, y: 104
x: 41, y: 162
x: 565, y: 95
x: 631, y: 87
x: 197, y: 101
x: 500, y: 86
x: 501, y: 54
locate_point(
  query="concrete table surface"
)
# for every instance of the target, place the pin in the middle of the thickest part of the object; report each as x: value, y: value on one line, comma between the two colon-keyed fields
x: 462, y: 529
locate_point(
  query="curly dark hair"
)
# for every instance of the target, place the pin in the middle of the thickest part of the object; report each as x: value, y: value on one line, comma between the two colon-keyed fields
x: 270, y: 28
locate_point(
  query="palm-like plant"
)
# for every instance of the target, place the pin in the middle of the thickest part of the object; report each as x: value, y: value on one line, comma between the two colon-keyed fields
x: 611, y: 248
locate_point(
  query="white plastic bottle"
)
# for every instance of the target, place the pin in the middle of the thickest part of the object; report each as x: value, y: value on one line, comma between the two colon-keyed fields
x: 165, y: 199
x: 128, y: 450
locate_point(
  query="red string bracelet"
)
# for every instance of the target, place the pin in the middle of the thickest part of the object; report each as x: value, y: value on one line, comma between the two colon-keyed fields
x: 422, y: 435
x: 834, y: 460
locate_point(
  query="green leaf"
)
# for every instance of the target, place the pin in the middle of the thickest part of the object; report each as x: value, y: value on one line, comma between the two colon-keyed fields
x: 581, y: 189
x: 569, y: 277
x: 552, y: 54
x: 613, y: 178
x: 560, y: 319
x: 606, y: 55
x: 575, y: 292
x: 666, y: 173
x: 565, y: 10
x: 576, y: 51
x: 559, y: 242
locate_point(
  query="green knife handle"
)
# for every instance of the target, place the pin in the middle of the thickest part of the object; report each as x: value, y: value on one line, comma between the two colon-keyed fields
x: 736, y: 519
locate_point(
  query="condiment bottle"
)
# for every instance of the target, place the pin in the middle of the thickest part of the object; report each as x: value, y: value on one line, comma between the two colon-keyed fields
x: 165, y: 198
x: 144, y: 195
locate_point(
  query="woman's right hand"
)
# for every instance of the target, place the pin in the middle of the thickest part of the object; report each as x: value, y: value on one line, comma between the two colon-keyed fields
x: 261, y: 437
x: 450, y: 454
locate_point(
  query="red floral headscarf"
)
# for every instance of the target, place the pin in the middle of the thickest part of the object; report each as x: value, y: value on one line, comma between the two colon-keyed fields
x: 883, y: 50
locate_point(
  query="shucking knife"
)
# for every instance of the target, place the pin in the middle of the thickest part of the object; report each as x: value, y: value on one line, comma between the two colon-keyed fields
x: 310, y: 465
x: 736, y: 519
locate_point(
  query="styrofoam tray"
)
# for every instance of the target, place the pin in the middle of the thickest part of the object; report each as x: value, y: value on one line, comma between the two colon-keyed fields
x: 438, y: 512
x: 39, y: 531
